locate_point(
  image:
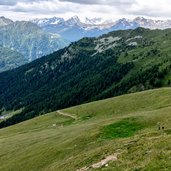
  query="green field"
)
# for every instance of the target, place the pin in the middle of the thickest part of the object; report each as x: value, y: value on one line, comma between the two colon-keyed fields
x: 125, y: 126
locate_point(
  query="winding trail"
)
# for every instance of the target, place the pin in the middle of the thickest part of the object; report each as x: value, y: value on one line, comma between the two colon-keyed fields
x: 67, y: 115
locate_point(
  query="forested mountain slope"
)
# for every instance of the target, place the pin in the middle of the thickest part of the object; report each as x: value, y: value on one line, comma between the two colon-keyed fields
x: 88, y: 70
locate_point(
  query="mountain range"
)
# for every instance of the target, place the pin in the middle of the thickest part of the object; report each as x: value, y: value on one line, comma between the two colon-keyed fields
x: 74, y: 28
x: 91, y: 69
x: 39, y: 37
x: 26, y: 39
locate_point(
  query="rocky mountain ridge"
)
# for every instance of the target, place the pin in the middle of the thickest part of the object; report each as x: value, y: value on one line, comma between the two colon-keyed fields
x: 75, y: 28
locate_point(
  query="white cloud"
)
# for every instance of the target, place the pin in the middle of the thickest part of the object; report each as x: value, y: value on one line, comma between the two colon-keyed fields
x: 25, y: 9
x: 13, y: 2
x: 101, y: 2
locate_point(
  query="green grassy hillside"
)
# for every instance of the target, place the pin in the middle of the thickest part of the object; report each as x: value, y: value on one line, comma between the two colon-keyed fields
x: 78, y: 137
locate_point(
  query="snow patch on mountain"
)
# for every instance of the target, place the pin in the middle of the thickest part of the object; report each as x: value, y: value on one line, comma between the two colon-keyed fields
x: 48, y: 21
x: 106, y: 43
x: 74, y: 28
x: 136, y: 37
x: 133, y: 44
x: 103, y: 23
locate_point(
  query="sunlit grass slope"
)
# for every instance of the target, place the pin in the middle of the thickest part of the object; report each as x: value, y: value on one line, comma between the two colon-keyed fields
x: 126, y: 125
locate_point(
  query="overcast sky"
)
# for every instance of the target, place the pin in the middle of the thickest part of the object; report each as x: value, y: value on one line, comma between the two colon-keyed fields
x: 28, y: 9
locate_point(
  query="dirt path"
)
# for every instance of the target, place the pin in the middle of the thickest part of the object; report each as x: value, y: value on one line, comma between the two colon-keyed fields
x: 66, y: 114
x: 102, y: 163
x: 105, y: 161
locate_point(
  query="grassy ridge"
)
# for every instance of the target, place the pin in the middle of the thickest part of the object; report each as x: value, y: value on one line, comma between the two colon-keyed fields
x: 126, y: 124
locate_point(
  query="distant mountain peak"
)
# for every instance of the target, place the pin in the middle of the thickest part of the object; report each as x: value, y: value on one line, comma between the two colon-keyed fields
x: 2, y: 17
x: 75, y: 17
x: 122, y: 20
x: 75, y: 20
x: 140, y: 18
x: 94, y: 21
x: 5, y: 21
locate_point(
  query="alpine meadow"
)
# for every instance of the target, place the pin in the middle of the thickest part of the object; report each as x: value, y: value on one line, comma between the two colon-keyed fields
x: 85, y: 85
